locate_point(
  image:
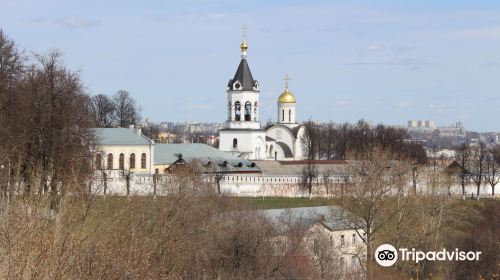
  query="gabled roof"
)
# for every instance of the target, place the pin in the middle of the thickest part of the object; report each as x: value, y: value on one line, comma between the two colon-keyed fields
x: 168, y: 154
x: 120, y: 136
x: 244, y: 76
x: 455, y: 167
x: 296, y: 167
x: 309, y: 216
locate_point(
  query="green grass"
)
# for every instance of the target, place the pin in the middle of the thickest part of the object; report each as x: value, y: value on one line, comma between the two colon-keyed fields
x: 285, y: 202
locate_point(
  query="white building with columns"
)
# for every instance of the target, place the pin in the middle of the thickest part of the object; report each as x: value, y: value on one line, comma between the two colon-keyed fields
x: 244, y: 136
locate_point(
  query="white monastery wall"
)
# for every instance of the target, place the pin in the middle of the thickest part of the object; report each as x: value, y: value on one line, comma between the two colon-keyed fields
x: 251, y: 186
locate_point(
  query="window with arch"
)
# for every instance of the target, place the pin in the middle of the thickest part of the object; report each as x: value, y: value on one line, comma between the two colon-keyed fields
x: 143, y: 161
x: 235, y: 143
x: 289, y: 115
x: 283, y: 115
x: 121, y: 162
x: 98, y: 161
x: 271, y: 151
x: 237, y: 111
x: 132, y: 161
x: 255, y: 111
x: 110, y: 161
x: 248, y: 111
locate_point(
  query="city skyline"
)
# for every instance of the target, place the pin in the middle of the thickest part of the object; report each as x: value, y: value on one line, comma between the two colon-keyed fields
x: 385, y: 63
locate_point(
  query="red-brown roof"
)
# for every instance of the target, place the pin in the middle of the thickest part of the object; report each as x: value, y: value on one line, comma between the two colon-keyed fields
x: 293, y: 162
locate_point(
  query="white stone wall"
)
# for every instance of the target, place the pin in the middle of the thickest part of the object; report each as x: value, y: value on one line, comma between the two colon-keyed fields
x: 252, y: 185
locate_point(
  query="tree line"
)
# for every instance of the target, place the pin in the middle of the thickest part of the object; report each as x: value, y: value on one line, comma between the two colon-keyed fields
x: 46, y: 119
x: 331, y: 141
x: 478, y: 164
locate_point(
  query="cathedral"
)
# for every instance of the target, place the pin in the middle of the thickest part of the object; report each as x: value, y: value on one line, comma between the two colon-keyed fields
x: 243, y: 135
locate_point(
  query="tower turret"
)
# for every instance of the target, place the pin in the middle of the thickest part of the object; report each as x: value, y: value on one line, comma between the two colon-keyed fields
x: 286, y: 106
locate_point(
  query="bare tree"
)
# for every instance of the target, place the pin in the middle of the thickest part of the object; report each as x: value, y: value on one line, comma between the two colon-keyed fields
x: 366, y: 200
x: 463, y: 158
x: 328, y: 182
x: 126, y: 111
x: 477, y: 165
x: 492, y: 164
x: 218, y: 172
x: 309, y: 176
x: 104, y: 110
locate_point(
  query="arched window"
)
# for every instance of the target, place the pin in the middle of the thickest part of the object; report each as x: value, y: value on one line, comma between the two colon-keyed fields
x: 290, y: 115
x: 271, y: 151
x: 110, y: 161
x: 248, y: 111
x: 255, y: 111
x: 121, y: 162
x: 283, y: 115
x: 237, y: 111
x: 98, y: 162
x: 143, y: 161
x: 235, y: 143
x: 132, y: 161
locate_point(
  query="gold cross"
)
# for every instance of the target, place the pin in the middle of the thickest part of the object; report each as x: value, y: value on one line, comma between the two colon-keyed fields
x: 244, y: 30
x: 286, y: 79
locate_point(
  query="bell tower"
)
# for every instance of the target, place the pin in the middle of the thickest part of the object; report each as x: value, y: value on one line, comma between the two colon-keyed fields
x: 243, y: 95
x: 242, y: 134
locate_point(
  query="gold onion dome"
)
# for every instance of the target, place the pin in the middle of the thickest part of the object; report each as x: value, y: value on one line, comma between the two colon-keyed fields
x: 244, y: 45
x: 287, y: 97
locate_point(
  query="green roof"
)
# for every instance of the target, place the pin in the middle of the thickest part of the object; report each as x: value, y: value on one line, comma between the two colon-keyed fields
x: 120, y: 136
x: 330, y: 216
x: 169, y: 153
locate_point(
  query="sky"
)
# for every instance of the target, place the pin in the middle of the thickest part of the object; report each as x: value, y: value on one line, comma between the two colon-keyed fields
x: 384, y: 61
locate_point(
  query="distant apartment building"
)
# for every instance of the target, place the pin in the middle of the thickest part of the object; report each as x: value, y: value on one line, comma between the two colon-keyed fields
x: 454, y: 130
x: 421, y: 125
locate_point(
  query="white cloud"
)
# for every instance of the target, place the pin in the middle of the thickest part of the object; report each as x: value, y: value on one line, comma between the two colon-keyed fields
x: 75, y: 22
x: 403, y: 104
x: 374, y: 48
x: 489, y: 33
x: 341, y: 103
x: 393, y: 50
x: 440, y: 109
x: 198, y: 107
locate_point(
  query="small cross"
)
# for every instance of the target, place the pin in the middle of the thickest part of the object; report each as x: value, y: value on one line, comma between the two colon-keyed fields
x: 244, y: 30
x: 286, y: 79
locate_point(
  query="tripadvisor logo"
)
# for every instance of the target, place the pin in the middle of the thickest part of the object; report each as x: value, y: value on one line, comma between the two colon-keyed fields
x: 387, y: 255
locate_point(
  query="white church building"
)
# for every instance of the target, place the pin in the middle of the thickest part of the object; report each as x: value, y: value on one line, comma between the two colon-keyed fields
x: 243, y: 135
